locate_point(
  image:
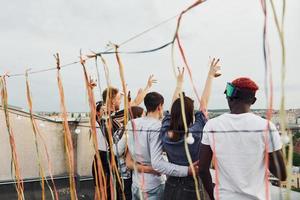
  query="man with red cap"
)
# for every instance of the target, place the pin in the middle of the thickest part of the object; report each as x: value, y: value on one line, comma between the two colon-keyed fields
x: 244, y: 148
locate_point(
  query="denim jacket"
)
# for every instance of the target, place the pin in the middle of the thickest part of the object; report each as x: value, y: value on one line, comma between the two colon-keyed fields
x: 175, y: 149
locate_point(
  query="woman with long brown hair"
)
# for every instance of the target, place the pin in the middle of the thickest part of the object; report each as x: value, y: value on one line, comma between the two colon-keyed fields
x: 173, y: 136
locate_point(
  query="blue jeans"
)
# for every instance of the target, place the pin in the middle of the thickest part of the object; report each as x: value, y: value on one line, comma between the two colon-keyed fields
x: 154, y: 194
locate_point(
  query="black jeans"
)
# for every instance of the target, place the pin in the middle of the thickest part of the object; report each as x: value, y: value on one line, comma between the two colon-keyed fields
x: 183, y: 188
x: 127, y: 188
x: 105, y: 164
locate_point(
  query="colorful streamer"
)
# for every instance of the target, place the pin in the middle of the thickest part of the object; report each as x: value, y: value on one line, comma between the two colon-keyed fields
x: 177, y: 38
x: 186, y: 146
x: 67, y: 133
x: 36, y: 132
x: 100, y: 189
x: 15, y: 161
x: 108, y: 124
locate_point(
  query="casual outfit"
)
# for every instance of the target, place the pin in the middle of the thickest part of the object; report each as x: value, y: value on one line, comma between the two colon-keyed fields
x: 145, y: 147
x: 125, y: 173
x: 182, y: 187
x: 105, y: 154
x: 238, y: 142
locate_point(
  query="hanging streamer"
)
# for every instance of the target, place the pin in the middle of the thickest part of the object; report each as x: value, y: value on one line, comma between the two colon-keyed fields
x: 186, y: 145
x: 98, y: 77
x: 280, y: 30
x: 177, y: 39
x: 15, y: 161
x: 100, y: 189
x: 267, y: 59
x: 108, y: 123
x: 67, y: 133
x: 36, y: 132
x: 124, y: 87
x: 268, y: 70
x: 283, y: 123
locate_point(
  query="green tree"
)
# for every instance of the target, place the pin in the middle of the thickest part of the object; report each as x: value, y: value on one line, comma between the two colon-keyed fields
x: 296, y: 159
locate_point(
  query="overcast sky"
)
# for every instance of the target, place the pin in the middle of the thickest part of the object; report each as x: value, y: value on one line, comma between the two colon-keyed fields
x: 32, y: 31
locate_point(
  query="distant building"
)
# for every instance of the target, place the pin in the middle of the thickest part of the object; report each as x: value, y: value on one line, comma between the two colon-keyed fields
x: 57, y: 116
x: 298, y: 119
x: 295, y: 181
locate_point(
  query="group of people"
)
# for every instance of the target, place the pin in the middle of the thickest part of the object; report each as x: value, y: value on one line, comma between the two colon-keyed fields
x: 170, y: 155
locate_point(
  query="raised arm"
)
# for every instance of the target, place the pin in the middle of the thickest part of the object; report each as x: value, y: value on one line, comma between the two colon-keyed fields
x: 212, y: 73
x: 142, y: 92
x: 179, y: 83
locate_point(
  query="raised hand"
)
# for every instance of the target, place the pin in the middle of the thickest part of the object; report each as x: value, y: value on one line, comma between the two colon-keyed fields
x: 180, y: 75
x: 150, y: 81
x: 214, y: 68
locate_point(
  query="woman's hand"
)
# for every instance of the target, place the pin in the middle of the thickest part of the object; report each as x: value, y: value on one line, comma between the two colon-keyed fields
x: 142, y: 92
x: 196, y: 168
x: 214, y: 68
x: 179, y: 84
x: 180, y: 76
x: 150, y: 81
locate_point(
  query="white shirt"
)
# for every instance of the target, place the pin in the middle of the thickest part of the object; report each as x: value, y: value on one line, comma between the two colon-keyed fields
x: 240, y: 155
x: 102, y: 143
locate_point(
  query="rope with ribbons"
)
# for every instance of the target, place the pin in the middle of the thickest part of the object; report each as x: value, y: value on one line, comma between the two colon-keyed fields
x: 15, y: 165
x: 177, y: 39
x: 67, y: 133
x: 37, y: 133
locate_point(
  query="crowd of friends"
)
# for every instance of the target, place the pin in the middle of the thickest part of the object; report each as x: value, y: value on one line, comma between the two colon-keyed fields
x: 151, y: 151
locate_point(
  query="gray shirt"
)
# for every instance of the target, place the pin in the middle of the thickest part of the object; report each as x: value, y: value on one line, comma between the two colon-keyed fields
x: 145, y: 147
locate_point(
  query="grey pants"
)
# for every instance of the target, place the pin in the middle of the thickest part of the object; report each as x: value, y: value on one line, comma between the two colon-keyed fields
x: 154, y: 194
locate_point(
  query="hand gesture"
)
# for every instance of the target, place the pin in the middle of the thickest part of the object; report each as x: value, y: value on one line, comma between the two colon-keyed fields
x: 196, y: 168
x: 150, y: 81
x: 180, y: 76
x: 214, y: 68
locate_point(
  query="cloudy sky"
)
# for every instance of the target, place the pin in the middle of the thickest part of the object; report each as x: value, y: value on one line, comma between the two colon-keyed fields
x: 32, y: 31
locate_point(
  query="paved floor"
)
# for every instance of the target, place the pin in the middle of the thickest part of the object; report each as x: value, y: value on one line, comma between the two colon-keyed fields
x: 85, y: 191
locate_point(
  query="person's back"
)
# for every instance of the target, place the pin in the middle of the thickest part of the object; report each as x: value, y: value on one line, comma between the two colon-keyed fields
x: 145, y: 148
x: 238, y: 141
x: 145, y: 130
x: 175, y: 149
x: 182, y: 122
x: 244, y: 146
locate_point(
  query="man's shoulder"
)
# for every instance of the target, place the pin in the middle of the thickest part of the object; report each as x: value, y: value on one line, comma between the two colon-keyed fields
x: 228, y: 116
x: 258, y: 120
x: 149, y: 122
x: 145, y: 123
x: 216, y: 119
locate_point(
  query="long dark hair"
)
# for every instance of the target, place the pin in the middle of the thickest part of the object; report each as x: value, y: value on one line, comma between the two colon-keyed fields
x: 177, y: 125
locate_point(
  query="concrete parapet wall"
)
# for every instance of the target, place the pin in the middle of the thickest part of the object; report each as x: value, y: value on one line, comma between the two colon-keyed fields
x: 54, y: 140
